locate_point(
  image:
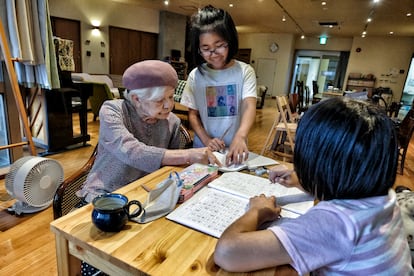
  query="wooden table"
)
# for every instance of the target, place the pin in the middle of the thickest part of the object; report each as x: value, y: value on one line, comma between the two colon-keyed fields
x: 161, y: 247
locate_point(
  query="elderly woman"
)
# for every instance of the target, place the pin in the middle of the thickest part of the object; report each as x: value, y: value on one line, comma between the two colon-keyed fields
x: 139, y: 135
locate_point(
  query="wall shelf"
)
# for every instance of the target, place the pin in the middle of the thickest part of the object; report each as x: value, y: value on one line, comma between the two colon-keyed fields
x: 361, y: 84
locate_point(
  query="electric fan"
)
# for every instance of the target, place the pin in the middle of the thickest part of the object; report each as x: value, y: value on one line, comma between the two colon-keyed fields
x: 33, y: 181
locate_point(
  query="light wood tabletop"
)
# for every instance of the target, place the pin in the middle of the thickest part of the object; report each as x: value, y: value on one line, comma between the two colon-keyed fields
x: 161, y: 247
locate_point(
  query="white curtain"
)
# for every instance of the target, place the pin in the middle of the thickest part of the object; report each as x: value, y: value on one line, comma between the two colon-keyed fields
x: 28, y: 28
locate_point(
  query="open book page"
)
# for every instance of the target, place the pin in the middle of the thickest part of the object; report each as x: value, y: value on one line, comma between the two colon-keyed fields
x: 254, y: 161
x: 247, y: 186
x: 210, y: 211
x: 214, y: 208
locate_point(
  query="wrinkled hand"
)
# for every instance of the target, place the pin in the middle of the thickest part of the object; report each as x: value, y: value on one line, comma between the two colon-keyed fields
x: 238, y: 151
x: 203, y: 156
x: 284, y: 176
x: 266, y: 206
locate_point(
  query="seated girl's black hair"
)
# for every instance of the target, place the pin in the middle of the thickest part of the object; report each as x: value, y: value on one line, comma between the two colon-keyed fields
x: 211, y: 19
x: 345, y: 149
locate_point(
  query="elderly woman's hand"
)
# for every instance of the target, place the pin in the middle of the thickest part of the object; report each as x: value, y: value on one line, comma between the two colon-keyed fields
x: 203, y: 156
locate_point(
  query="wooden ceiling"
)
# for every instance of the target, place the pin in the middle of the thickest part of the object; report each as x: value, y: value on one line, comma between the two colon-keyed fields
x: 305, y: 16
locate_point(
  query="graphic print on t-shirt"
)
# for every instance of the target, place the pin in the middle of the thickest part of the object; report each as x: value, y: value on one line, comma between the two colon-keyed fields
x: 221, y: 100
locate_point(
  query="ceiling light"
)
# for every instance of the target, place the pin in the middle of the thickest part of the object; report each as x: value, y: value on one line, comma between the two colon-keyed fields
x: 408, y: 14
x: 284, y: 18
x: 302, y: 37
x: 391, y: 33
x: 323, y: 3
x: 231, y: 5
x: 364, y: 32
x: 369, y: 19
x: 166, y: 2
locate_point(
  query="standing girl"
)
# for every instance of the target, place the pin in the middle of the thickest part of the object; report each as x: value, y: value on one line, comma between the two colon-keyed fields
x: 221, y: 92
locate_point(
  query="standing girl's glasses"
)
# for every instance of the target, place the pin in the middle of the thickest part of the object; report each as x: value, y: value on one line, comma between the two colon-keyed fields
x: 219, y: 50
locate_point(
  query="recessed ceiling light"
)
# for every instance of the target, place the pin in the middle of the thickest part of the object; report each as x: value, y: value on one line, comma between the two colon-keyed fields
x: 323, y: 3
x: 409, y: 14
x: 369, y: 19
x: 391, y: 33
x: 302, y: 37
x: 231, y: 5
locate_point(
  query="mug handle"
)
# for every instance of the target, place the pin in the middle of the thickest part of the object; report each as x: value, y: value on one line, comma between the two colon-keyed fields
x: 136, y: 212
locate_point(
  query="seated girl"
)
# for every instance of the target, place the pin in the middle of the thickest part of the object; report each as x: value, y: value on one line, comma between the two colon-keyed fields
x: 346, y: 157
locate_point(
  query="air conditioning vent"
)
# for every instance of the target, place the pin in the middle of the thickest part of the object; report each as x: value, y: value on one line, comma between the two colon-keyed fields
x: 328, y: 23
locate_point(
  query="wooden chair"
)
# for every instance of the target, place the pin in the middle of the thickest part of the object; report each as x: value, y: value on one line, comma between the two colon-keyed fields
x: 186, y: 141
x: 100, y: 93
x: 300, y: 90
x: 65, y: 198
x: 404, y: 134
x: 280, y: 140
x: 261, y: 96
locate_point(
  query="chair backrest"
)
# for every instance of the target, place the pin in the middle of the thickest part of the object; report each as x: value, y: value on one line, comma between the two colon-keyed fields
x: 282, y: 105
x: 300, y: 90
x: 405, y: 129
x: 315, y: 87
x: 186, y: 141
x: 179, y: 90
x: 100, y: 94
x: 65, y: 198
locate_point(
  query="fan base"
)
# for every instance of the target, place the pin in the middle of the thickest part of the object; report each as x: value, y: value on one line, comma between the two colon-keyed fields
x: 23, y: 208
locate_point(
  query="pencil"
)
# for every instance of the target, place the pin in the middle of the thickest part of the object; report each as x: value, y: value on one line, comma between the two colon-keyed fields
x: 225, y: 132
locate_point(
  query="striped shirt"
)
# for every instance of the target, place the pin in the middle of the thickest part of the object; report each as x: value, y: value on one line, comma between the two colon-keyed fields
x: 348, y: 237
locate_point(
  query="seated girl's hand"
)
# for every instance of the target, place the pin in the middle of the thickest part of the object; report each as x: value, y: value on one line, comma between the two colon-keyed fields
x: 282, y: 175
x: 266, y: 207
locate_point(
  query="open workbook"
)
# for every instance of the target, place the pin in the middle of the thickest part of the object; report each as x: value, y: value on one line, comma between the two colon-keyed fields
x: 226, y: 198
x: 254, y: 161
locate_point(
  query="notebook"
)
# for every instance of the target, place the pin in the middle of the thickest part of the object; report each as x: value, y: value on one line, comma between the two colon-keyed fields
x: 254, y: 161
x: 226, y: 198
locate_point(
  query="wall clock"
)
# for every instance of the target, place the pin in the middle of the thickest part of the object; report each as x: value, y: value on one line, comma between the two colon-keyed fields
x: 273, y: 47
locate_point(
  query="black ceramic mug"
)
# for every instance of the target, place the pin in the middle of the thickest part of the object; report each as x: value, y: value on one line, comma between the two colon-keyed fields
x: 112, y: 211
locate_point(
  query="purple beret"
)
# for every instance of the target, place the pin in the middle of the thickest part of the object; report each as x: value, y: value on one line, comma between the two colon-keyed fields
x: 149, y: 73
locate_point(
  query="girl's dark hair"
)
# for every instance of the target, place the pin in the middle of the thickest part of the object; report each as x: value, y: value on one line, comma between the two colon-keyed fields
x: 345, y: 149
x: 211, y: 19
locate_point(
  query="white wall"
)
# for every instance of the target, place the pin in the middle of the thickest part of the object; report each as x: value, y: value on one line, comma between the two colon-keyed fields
x: 259, y: 43
x: 379, y: 56
x: 383, y: 57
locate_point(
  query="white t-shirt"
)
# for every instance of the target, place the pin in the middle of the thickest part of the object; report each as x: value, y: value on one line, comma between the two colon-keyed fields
x: 218, y: 95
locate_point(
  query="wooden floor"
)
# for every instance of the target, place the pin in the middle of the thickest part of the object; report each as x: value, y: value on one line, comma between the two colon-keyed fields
x: 27, y: 246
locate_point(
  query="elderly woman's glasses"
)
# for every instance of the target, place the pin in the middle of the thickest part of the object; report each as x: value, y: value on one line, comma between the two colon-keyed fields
x: 220, y: 49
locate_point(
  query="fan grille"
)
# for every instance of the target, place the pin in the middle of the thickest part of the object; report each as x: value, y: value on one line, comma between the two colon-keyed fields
x: 34, y: 180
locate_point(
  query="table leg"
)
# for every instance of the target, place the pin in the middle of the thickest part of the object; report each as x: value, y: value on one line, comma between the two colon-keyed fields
x: 66, y: 263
